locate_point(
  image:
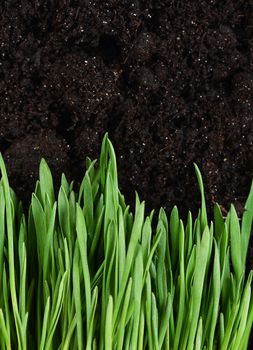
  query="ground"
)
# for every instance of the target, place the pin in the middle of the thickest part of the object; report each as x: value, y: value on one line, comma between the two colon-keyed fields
x: 171, y: 81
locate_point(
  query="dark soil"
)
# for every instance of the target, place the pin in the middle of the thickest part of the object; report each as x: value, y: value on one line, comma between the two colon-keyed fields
x: 172, y: 82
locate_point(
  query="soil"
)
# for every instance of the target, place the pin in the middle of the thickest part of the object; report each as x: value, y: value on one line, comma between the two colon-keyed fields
x: 172, y: 83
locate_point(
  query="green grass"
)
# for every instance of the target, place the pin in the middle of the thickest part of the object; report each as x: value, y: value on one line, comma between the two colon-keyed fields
x: 81, y: 271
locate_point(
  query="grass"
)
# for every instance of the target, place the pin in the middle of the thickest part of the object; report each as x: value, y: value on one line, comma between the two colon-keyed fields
x: 81, y: 271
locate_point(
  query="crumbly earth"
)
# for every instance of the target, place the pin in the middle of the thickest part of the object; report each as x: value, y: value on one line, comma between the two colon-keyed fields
x: 171, y: 81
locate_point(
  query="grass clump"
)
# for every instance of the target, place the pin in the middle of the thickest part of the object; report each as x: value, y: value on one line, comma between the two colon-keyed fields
x: 81, y: 271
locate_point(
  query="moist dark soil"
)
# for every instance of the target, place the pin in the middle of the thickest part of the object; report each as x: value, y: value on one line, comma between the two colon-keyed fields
x: 171, y: 81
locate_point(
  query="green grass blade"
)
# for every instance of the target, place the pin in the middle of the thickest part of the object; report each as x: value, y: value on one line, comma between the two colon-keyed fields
x: 108, y: 325
x: 137, y: 294
x: 236, y: 249
x: 174, y: 227
x: 182, y: 292
x: 247, y: 220
x: 45, y: 325
x: 82, y: 242
x: 46, y: 182
x: 215, y: 296
x: 122, y: 324
x: 77, y: 297
x: 164, y: 324
x: 198, y: 283
x: 4, y: 334
x: 154, y: 323
x: 203, y: 215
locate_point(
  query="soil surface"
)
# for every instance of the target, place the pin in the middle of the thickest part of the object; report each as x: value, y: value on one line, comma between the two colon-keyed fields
x: 171, y: 81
